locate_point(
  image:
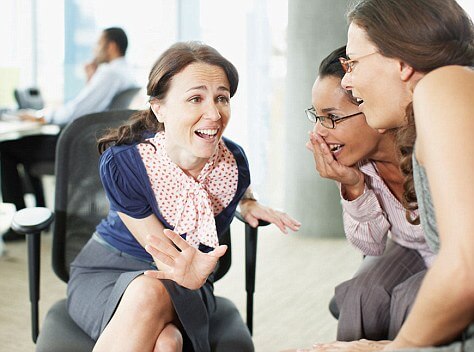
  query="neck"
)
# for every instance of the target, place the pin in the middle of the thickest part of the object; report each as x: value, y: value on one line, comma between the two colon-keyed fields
x: 387, y: 161
x: 386, y: 151
x: 191, y: 165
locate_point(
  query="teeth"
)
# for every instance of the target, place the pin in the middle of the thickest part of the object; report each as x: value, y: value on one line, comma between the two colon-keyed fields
x: 208, y: 132
x: 335, y: 147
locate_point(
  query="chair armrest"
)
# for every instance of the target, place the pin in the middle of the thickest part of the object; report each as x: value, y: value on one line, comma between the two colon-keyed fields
x: 251, y: 236
x: 30, y: 222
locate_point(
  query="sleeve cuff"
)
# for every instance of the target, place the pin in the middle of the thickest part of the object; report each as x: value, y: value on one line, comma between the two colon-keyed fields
x: 364, y: 207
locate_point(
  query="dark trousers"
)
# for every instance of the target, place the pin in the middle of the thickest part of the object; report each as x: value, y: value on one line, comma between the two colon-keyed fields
x: 376, y: 301
x: 28, y: 152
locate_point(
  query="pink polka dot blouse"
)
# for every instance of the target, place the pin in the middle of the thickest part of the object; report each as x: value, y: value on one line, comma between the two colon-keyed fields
x: 188, y: 204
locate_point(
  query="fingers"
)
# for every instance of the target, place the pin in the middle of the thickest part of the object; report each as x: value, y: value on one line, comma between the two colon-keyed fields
x: 158, y: 255
x: 281, y: 220
x: 162, y: 250
x: 218, y: 251
x: 176, y: 239
x: 290, y: 222
x: 252, y: 220
x: 322, y: 156
x: 160, y: 245
x: 324, y: 149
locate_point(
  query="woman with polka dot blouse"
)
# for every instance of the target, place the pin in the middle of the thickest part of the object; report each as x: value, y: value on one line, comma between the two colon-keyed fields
x: 173, y: 182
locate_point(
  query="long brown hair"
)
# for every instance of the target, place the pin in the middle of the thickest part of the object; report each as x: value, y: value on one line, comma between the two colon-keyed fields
x: 171, y: 62
x: 426, y: 34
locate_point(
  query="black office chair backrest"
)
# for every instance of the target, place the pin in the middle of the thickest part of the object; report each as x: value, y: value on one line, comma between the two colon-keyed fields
x: 124, y: 99
x: 80, y: 201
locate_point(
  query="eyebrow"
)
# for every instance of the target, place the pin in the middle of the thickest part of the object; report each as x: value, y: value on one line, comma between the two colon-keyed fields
x: 205, y: 88
x: 328, y: 109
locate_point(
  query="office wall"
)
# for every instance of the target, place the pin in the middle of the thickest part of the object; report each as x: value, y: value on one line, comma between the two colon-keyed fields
x: 315, y: 28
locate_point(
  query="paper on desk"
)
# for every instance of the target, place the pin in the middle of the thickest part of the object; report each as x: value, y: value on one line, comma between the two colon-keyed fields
x: 17, y: 126
x: 14, y: 115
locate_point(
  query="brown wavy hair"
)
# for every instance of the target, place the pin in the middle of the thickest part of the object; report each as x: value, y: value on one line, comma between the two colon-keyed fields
x: 426, y: 34
x: 174, y: 60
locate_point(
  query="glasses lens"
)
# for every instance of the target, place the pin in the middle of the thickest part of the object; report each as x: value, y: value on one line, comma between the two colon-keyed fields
x: 311, y: 115
x: 326, y: 122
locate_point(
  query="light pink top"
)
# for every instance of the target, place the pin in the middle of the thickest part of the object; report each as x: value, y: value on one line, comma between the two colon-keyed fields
x: 376, y: 214
x: 188, y: 204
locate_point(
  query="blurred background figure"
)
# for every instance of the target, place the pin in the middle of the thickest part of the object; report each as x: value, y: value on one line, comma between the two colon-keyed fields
x: 108, y: 74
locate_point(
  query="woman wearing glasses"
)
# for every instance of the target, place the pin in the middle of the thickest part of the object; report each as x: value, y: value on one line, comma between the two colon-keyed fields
x: 364, y: 162
x: 411, y: 65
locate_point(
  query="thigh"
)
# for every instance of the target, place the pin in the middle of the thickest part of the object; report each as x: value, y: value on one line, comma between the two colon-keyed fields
x: 403, y: 297
x: 98, y: 279
x: 393, y: 267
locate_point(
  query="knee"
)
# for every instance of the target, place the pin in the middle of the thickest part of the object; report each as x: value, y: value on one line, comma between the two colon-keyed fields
x: 170, y: 340
x: 368, y: 292
x: 148, y: 294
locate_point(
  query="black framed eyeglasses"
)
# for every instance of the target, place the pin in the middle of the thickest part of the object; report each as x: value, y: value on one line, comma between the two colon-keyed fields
x: 328, y: 121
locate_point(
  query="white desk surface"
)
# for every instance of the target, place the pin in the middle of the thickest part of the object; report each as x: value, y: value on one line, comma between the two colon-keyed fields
x: 15, y: 129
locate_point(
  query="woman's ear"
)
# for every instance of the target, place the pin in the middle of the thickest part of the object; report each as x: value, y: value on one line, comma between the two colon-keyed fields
x: 406, y: 71
x: 155, y: 107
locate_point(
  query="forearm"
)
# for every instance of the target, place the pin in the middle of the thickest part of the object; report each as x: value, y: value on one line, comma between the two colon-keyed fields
x: 444, y: 306
x: 141, y: 228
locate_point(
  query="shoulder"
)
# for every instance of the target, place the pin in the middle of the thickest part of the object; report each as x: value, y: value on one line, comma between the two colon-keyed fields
x: 234, y: 148
x: 120, y: 154
x: 439, y: 83
x: 446, y: 90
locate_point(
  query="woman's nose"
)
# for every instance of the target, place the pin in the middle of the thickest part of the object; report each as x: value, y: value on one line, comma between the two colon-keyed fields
x: 320, y: 129
x: 346, y: 81
x: 212, y: 112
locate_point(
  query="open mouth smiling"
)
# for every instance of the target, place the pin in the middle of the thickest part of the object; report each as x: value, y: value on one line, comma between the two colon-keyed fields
x: 207, y: 133
x: 334, y: 148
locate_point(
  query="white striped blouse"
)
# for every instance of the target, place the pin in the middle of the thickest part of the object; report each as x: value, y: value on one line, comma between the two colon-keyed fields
x: 376, y: 215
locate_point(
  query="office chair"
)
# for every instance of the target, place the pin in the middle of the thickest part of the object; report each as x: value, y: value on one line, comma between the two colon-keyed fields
x: 80, y: 204
x: 124, y: 99
x: 121, y: 101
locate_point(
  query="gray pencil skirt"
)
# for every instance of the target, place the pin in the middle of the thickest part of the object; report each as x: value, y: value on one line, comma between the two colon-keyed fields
x: 99, y: 276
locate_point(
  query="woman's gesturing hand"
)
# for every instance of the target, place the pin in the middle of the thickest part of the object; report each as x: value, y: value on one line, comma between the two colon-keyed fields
x: 351, y: 179
x: 184, y: 264
x: 252, y: 211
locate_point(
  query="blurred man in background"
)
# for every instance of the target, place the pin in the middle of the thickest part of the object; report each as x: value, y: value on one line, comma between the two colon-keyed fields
x: 107, y: 75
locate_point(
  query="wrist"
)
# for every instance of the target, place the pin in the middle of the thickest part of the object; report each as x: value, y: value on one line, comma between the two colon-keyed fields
x: 352, y: 192
x: 249, y: 195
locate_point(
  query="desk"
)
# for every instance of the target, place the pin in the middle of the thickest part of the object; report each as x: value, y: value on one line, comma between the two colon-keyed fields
x: 10, y: 130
